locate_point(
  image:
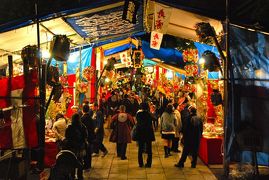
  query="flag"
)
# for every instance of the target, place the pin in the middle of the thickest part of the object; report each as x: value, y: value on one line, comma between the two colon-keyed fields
x: 161, y: 18
x: 18, y: 128
x: 130, y: 10
x: 156, y: 40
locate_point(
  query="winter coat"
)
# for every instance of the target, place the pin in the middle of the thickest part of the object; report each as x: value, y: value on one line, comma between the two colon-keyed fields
x: 99, y: 120
x: 144, y: 127
x: 193, y: 132
x: 122, y: 123
x: 168, y: 123
x: 76, y: 137
x: 178, y: 123
x: 87, y: 120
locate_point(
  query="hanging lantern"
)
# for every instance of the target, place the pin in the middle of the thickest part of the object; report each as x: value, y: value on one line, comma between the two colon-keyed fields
x: 211, y: 61
x: 29, y: 55
x: 60, y: 48
x: 110, y: 64
x: 53, y: 75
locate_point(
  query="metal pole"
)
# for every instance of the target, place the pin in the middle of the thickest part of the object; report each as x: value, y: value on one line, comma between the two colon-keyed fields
x: 42, y: 93
x: 226, y: 159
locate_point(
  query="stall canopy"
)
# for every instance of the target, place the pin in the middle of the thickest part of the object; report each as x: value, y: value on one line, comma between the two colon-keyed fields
x: 248, y: 13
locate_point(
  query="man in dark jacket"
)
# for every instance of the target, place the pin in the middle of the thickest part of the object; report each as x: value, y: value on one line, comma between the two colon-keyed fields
x: 86, y: 119
x: 145, y: 134
x: 192, y: 135
x: 76, y: 136
x: 163, y: 101
x: 99, y: 131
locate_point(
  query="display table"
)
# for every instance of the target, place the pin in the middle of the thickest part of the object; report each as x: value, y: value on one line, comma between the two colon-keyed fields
x: 51, y: 151
x: 210, y: 150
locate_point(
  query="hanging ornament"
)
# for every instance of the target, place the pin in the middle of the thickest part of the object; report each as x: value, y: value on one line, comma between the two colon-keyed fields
x: 88, y: 73
x: 191, y: 70
x: 190, y: 56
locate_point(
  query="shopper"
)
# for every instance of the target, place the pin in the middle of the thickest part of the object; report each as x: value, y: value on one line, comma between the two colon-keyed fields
x: 65, y: 165
x: 163, y: 102
x: 76, y: 140
x: 122, y: 124
x: 168, y: 128
x: 144, y: 134
x: 87, y: 120
x: 59, y: 128
x: 99, y: 131
x: 191, y: 134
x: 176, y: 139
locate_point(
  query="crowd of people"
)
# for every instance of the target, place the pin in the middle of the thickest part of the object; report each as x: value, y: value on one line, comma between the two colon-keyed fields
x: 149, y: 111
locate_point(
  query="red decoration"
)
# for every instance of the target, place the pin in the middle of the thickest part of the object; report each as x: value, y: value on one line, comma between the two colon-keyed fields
x: 88, y: 73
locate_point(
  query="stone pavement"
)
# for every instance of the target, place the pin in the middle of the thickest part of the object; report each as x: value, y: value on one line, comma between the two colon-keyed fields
x: 111, y: 167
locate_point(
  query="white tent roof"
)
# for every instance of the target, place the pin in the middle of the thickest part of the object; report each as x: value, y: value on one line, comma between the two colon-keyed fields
x: 182, y: 23
x: 12, y: 42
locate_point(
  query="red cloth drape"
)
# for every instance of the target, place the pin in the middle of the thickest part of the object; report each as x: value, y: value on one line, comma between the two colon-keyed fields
x: 93, y: 80
x: 25, y: 131
x: 211, y: 115
x: 71, y: 80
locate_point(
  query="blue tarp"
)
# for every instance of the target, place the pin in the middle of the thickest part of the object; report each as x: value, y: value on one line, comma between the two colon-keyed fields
x: 105, y: 24
x: 168, y: 55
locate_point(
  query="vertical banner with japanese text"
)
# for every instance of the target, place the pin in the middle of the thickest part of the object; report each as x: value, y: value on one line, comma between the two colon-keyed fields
x: 161, y: 17
x: 130, y: 10
x: 156, y: 40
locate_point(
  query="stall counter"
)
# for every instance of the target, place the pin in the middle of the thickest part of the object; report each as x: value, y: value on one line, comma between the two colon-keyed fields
x: 210, y: 150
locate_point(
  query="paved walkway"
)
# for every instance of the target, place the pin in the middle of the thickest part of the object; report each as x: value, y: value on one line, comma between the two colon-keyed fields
x: 111, y: 167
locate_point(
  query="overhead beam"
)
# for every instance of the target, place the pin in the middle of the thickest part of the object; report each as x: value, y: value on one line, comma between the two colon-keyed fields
x: 168, y: 66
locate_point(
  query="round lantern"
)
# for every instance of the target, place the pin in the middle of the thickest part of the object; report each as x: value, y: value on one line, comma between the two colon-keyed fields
x: 211, y: 61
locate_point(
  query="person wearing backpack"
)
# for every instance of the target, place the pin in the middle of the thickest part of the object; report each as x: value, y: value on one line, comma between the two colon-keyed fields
x: 122, y: 124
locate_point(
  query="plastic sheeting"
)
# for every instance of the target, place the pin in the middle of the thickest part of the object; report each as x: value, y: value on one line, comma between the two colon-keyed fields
x: 168, y: 55
x: 250, y: 56
x: 250, y: 68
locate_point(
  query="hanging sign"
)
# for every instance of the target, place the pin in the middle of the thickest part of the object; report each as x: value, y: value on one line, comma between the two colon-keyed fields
x: 156, y: 40
x: 161, y: 18
x: 137, y: 58
x: 130, y: 10
x: 123, y: 57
